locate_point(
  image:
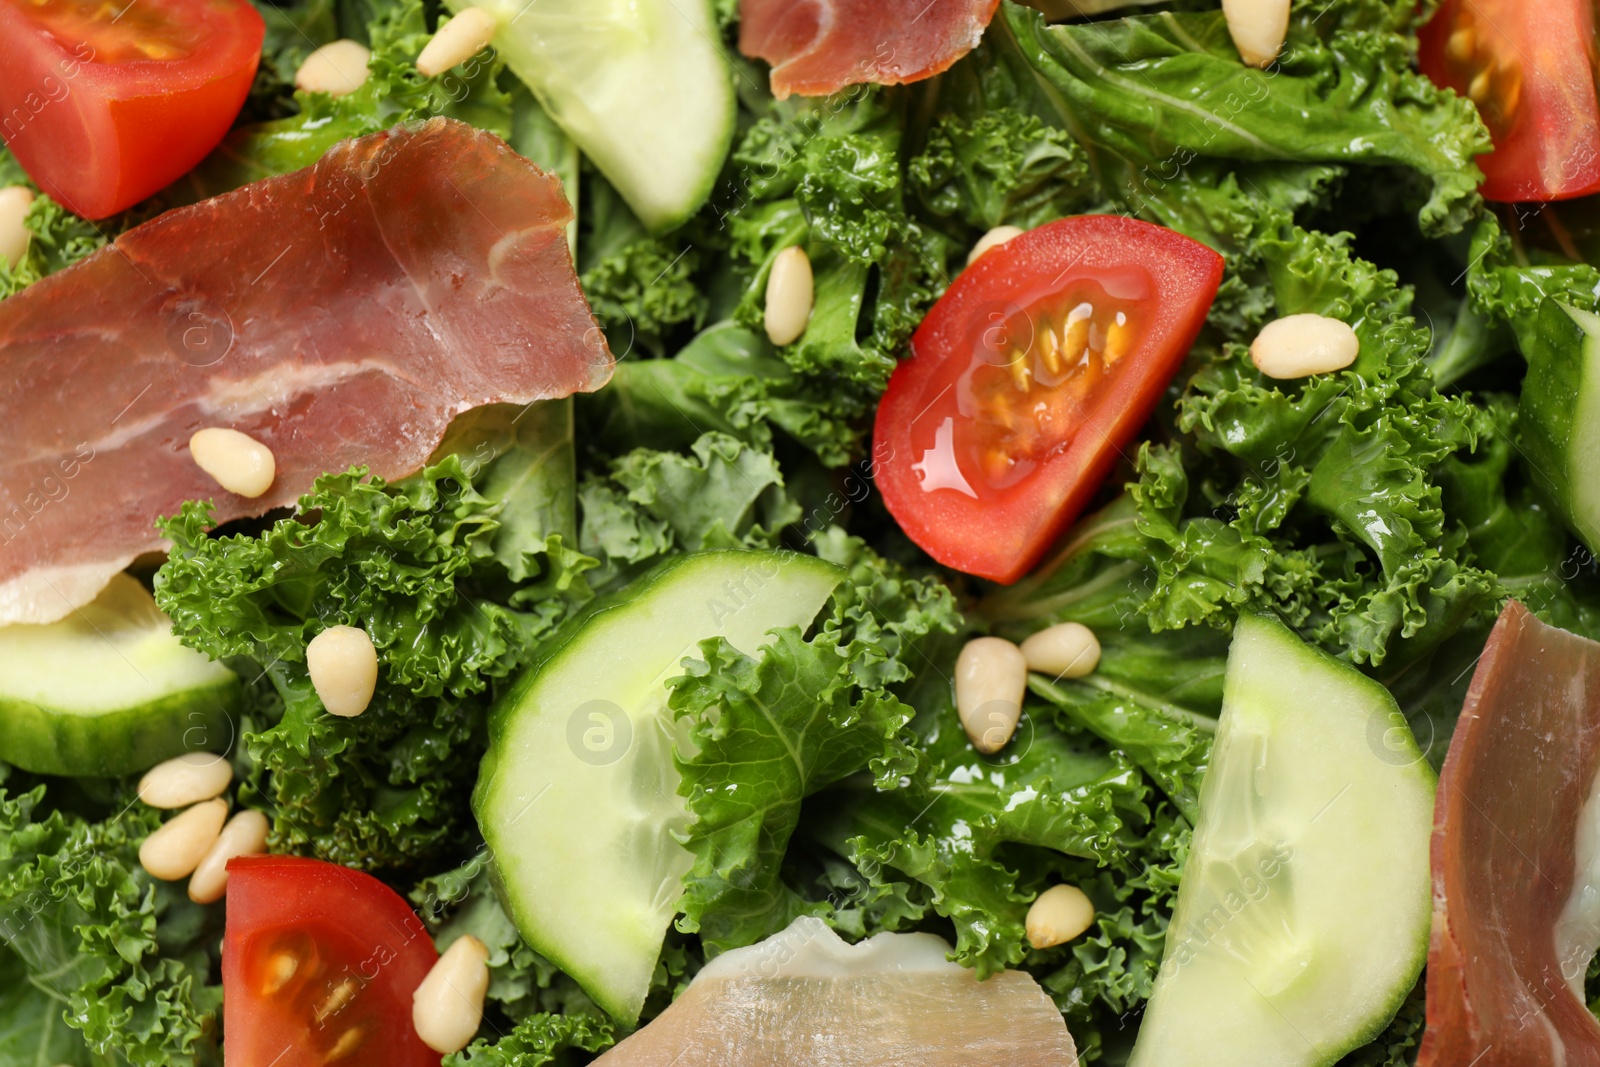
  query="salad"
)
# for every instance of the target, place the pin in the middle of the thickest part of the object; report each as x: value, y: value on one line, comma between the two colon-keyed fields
x: 841, y: 532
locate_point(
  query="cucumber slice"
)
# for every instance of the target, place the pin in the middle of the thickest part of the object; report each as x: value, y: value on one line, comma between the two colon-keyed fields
x: 1560, y: 415
x: 578, y: 794
x: 1302, y: 918
x: 109, y: 690
x: 641, y: 85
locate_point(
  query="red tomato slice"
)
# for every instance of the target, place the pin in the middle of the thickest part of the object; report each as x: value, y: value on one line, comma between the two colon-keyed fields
x: 318, y: 966
x: 1529, y: 66
x: 106, y: 103
x: 1026, y: 379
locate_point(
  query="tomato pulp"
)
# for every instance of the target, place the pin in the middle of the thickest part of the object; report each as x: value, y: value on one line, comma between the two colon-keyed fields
x: 1025, y: 380
x: 105, y: 102
x: 318, y: 967
x: 1529, y: 66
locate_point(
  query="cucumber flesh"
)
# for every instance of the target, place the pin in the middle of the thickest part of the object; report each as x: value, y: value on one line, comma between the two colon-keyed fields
x: 641, y: 85
x: 578, y: 794
x: 1303, y: 914
x: 109, y: 690
x: 1559, y: 415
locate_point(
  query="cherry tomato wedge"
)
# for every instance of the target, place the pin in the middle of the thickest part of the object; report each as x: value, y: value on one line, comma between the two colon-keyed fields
x: 104, y: 102
x: 318, y: 966
x: 1529, y: 65
x: 1026, y: 378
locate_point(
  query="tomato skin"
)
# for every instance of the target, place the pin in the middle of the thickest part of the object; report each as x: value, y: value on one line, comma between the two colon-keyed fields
x: 343, y: 926
x: 1540, y: 56
x: 99, y: 135
x: 1002, y: 535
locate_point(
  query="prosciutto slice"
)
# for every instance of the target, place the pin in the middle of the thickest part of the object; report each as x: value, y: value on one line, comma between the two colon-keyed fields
x: 341, y: 315
x: 1516, y: 847
x: 817, y: 47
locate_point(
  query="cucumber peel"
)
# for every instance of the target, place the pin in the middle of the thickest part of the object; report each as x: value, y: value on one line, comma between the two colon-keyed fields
x: 578, y: 798
x: 109, y: 690
x: 1303, y: 915
x: 1559, y: 415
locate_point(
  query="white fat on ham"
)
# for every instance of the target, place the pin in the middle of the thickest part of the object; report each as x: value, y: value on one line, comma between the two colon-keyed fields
x: 1577, y: 932
x: 805, y: 998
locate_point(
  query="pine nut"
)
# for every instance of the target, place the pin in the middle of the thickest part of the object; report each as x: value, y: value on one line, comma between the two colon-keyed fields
x: 1298, y: 345
x: 1258, y: 28
x: 14, y: 233
x: 991, y: 677
x: 177, y: 848
x: 1066, y: 650
x: 447, y: 1007
x: 338, y: 68
x: 789, y: 296
x: 344, y: 669
x: 244, y: 835
x: 994, y: 238
x: 1058, y: 915
x: 1462, y: 44
x: 184, y: 780
x: 237, y: 462
x: 457, y: 41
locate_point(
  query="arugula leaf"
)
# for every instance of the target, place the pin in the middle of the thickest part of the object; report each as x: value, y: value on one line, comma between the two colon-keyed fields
x: 128, y: 957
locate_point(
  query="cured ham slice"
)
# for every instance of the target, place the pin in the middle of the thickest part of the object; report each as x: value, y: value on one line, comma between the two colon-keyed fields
x: 341, y: 315
x: 804, y: 998
x: 1515, y: 849
x: 817, y: 47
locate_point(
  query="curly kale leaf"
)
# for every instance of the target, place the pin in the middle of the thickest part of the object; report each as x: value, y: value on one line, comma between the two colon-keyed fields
x: 453, y: 586
x: 767, y: 732
x: 1001, y: 167
x: 827, y: 175
x: 123, y: 958
x: 1150, y: 95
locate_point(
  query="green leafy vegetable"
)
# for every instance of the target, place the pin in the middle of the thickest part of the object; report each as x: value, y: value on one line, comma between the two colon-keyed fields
x: 1148, y: 95
x: 426, y: 568
x: 725, y: 494
x: 767, y: 733
x: 123, y: 958
x: 1003, y: 166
